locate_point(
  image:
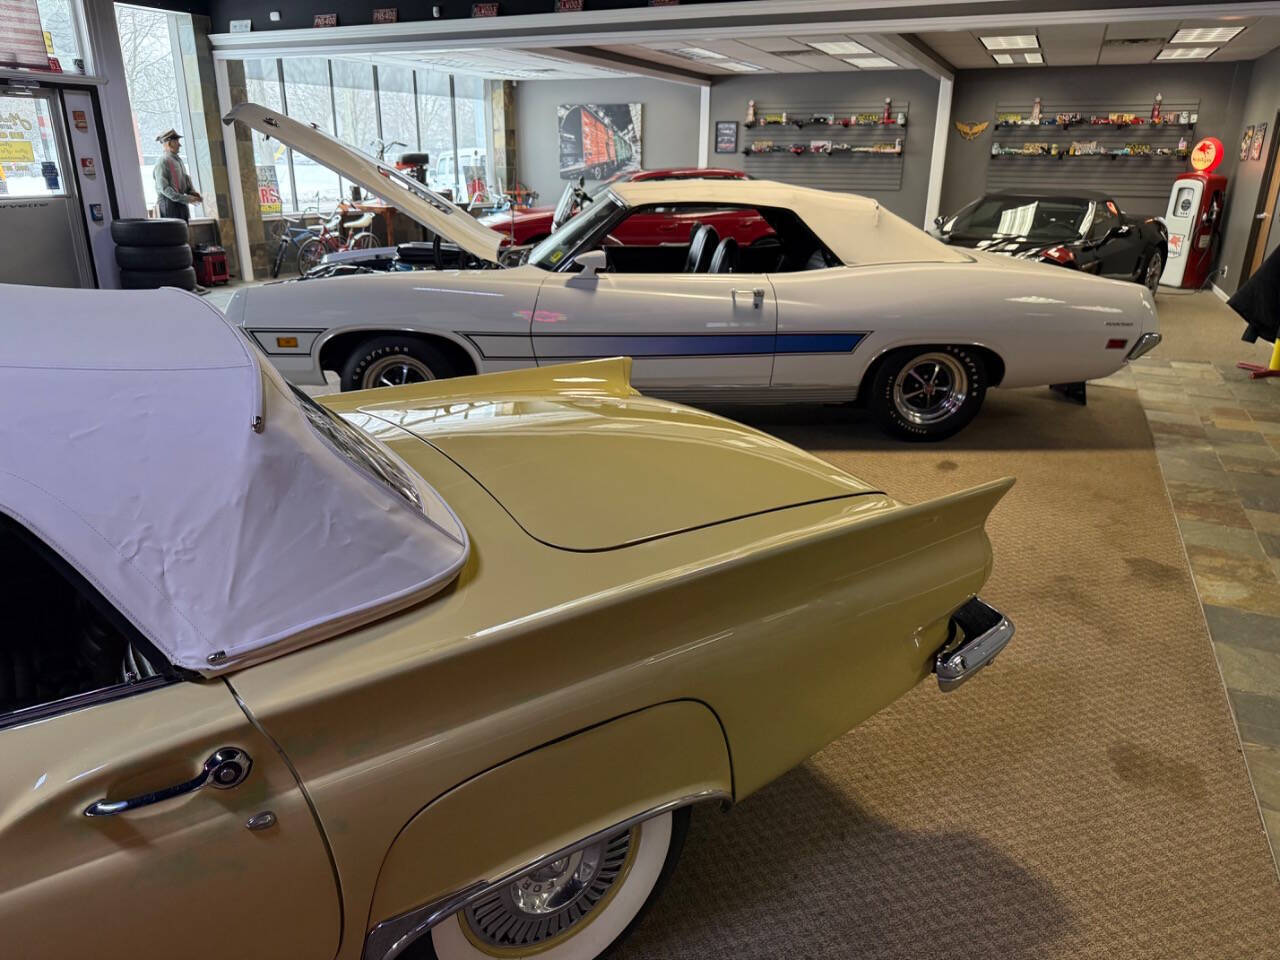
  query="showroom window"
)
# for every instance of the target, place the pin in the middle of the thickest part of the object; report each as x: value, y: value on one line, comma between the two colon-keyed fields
x: 61, y: 22
x: 155, y: 76
x: 308, y: 97
x: 387, y: 107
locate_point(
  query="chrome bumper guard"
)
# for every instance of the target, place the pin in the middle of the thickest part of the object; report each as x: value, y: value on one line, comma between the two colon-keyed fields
x: 1144, y: 344
x: 984, y: 632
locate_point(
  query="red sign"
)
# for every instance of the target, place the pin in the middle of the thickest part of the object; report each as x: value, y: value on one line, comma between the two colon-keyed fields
x: 484, y: 9
x: 269, y: 196
x: 325, y: 20
x: 80, y: 120
x: 570, y: 6
x: 1207, y: 154
x: 386, y: 15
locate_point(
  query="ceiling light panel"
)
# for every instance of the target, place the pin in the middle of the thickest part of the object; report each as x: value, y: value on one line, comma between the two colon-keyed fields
x: 1205, y: 34
x: 1185, y: 53
x: 1033, y: 57
x: 870, y: 63
x: 699, y: 53
x: 1002, y: 57
x: 738, y: 66
x: 1026, y: 41
x: 838, y: 47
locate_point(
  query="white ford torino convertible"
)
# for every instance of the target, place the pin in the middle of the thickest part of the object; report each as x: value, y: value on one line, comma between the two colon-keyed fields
x: 840, y: 300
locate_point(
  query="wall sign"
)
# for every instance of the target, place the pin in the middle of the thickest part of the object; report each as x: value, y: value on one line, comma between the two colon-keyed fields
x: 484, y: 10
x: 268, y: 189
x: 50, y: 173
x: 88, y: 168
x: 570, y: 6
x: 386, y: 15
x: 1259, y: 134
x: 726, y: 136
x: 971, y: 131
x: 1207, y: 154
x: 79, y: 119
x: 325, y: 20
x: 241, y: 26
x: 1246, y: 141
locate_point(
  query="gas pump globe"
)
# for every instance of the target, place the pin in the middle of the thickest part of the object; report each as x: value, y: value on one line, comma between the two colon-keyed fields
x: 1194, y: 218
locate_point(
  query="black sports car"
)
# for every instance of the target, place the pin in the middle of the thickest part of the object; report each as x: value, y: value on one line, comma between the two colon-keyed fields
x: 1087, y: 231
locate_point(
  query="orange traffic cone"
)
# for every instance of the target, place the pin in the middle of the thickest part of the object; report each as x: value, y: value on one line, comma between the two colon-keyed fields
x: 1257, y: 371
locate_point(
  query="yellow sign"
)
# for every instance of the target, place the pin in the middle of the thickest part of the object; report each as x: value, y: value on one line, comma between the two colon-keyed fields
x: 17, y: 151
x: 48, y: 43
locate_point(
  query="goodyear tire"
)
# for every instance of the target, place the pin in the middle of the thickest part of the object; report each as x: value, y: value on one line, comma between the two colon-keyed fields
x: 928, y: 393
x: 184, y: 279
x: 161, y: 232
x: 153, y: 258
x: 393, y: 361
x: 522, y: 919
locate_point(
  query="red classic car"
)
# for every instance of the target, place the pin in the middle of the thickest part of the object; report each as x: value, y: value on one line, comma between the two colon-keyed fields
x: 662, y: 226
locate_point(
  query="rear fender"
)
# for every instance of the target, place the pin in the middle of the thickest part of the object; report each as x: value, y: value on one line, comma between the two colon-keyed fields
x: 502, y: 821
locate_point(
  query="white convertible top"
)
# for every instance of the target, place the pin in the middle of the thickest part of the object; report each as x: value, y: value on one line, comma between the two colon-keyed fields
x: 856, y: 229
x: 127, y: 445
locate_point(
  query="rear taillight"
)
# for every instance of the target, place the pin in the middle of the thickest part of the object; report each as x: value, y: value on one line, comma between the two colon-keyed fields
x: 1058, y: 254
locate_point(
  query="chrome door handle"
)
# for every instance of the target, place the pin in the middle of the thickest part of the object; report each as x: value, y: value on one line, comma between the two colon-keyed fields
x: 1261, y: 216
x: 226, y: 768
x: 756, y: 295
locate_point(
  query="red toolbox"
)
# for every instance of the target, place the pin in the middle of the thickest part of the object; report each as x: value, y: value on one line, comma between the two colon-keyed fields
x: 211, y: 264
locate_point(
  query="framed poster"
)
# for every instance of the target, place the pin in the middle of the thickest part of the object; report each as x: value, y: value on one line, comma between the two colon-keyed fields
x: 1246, y: 142
x: 598, y: 140
x: 1259, y: 134
x: 726, y: 136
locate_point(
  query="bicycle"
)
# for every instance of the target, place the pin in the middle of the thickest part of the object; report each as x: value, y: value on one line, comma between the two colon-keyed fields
x: 328, y: 238
x: 294, y: 235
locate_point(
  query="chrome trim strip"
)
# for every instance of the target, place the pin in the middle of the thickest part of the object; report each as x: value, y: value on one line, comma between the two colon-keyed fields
x: 390, y: 938
x: 955, y: 665
x: 1144, y: 344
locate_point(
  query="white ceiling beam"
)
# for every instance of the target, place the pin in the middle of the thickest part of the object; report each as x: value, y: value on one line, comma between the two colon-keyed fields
x: 727, y: 20
x: 903, y: 51
x: 616, y: 61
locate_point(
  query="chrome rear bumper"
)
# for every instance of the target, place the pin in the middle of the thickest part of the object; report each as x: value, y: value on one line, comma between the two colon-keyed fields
x: 978, y: 633
x: 1144, y: 344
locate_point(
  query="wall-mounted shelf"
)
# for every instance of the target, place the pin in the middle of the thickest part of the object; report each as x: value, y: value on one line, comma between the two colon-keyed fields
x: 849, y: 148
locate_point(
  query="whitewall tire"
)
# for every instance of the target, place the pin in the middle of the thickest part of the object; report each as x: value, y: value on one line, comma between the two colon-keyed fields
x: 574, y: 909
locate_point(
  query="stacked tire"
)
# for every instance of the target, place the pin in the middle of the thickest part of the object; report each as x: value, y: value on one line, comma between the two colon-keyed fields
x: 153, y: 253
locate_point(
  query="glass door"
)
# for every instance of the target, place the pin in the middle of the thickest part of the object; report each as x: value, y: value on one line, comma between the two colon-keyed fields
x: 42, y: 240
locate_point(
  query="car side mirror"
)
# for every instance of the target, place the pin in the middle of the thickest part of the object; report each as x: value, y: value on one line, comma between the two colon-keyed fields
x: 591, y: 262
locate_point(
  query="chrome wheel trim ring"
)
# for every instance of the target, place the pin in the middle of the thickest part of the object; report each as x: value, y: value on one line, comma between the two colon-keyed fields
x: 930, y: 388
x: 1155, y: 267
x: 395, y: 370
x: 552, y: 902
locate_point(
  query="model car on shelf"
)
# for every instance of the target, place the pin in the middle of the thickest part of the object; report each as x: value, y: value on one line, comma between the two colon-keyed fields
x: 532, y: 226
x: 1082, y: 230
x: 432, y: 672
x: 845, y: 301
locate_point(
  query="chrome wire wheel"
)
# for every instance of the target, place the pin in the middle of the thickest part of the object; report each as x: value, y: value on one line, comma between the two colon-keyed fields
x: 544, y: 906
x: 395, y: 371
x: 1155, y: 267
x: 930, y: 388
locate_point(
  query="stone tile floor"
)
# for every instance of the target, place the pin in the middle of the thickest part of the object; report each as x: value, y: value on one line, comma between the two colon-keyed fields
x: 1217, y: 437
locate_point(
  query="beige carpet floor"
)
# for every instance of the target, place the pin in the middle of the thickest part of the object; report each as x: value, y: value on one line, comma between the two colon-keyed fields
x: 1084, y: 798
x: 1200, y: 327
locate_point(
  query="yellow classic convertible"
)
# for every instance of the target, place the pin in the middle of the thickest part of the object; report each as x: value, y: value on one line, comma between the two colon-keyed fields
x: 426, y: 672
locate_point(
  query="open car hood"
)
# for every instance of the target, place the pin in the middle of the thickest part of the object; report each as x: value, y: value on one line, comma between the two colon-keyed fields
x: 404, y: 193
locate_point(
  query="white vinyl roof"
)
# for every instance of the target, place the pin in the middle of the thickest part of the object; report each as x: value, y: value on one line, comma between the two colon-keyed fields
x: 856, y: 229
x: 126, y: 444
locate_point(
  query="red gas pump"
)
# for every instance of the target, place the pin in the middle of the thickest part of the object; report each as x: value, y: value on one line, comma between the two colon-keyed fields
x: 1194, y: 218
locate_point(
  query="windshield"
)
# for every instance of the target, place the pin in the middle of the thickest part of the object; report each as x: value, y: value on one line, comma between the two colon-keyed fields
x: 994, y: 218
x: 579, y: 229
x: 361, y: 450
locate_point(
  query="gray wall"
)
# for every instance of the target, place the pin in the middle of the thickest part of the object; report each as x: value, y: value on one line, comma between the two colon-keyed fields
x: 1220, y: 88
x: 729, y: 102
x: 668, y: 124
x: 1261, y: 102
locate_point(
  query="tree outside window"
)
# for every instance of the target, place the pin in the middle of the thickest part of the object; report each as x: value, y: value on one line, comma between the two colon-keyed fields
x: 306, y: 93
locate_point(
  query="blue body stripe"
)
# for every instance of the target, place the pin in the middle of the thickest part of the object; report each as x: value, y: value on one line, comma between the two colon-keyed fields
x: 572, y: 346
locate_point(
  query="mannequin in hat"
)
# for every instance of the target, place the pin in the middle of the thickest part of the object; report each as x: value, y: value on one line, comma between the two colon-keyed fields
x: 173, y: 183
x: 174, y: 189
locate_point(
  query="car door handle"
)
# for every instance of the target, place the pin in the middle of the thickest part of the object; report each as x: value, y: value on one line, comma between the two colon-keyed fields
x: 756, y: 296
x: 1262, y: 216
x: 226, y: 768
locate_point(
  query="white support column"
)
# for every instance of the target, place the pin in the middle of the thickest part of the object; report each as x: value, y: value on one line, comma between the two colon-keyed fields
x: 938, y: 159
x: 704, y: 126
x: 234, y: 181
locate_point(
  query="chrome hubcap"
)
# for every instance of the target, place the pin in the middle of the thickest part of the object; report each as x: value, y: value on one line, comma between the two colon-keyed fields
x: 930, y: 388
x: 547, y: 902
x: 1154, y: 269
x: 395, y: 371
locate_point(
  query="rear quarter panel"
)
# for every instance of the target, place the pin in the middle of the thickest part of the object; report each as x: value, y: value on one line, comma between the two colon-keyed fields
x: 1048, y: 324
